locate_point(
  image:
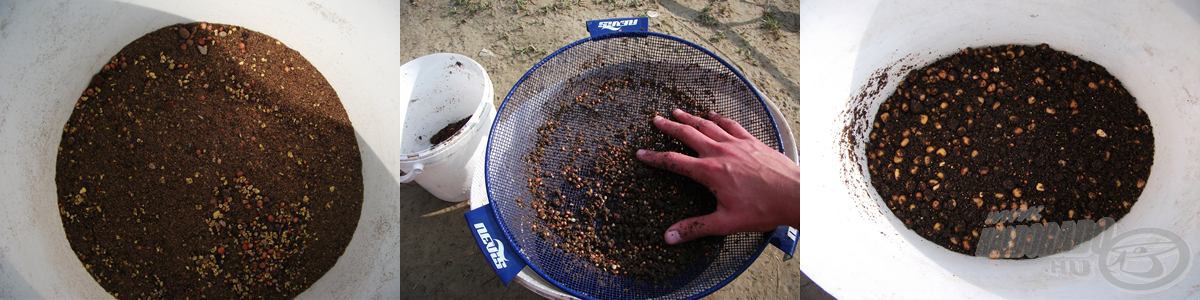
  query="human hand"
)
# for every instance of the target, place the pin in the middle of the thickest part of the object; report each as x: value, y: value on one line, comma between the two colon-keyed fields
x: 757, y: 187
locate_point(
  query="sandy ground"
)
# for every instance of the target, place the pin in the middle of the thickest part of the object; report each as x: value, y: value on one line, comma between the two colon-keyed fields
x: 439, y: 257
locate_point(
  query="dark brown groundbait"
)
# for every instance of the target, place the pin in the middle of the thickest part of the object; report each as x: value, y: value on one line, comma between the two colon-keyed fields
x: 446, y: 132
x: 208, y: 160
x: 622, y: 206
x: 1008, y: 130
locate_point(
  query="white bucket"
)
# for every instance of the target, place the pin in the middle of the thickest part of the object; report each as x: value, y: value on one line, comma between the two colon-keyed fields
x: 440, y: 89
x: 534, y: 282
x: 855, y: 248
x: 49, y: 50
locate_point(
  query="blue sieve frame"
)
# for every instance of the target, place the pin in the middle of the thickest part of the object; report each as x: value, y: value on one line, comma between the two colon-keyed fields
x: 782, y: 232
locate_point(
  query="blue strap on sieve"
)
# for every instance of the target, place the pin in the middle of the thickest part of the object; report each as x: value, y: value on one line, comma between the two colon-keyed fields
x: 785, y: 238
x: 496, y: 246
x: 599, y: 28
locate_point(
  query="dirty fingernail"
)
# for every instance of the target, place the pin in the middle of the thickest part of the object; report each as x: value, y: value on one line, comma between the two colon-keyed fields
x: 672, y: 237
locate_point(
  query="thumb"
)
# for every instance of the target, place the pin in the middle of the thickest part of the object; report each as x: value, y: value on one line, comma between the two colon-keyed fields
x: 695, y: 227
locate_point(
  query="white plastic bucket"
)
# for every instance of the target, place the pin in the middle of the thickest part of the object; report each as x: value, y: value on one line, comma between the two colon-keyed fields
x: 49, y: 50
x: 440, y: 89
x: 534, y: 282
x: 855, y: 248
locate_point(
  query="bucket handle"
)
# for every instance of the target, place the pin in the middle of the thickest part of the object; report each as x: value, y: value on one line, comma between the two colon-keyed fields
x: 412, y: 175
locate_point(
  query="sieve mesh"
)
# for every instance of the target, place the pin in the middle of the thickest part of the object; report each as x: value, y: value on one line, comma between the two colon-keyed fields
x: 582, y: 66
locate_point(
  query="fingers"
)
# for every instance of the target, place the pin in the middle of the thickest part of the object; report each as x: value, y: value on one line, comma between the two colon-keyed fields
x: 672, y: 161
x: 708, y: 128
x: 694, y: 228
x: 689, y: 135
x: 732, y: 127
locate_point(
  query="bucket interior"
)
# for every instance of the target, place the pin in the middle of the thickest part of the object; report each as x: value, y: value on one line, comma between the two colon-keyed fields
x: 851, y: 237
x: 50, y: 52
x: 440, y: 89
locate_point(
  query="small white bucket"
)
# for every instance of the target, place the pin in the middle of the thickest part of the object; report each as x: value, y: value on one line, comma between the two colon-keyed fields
x: 440, y: 89
x: 855, y: 248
